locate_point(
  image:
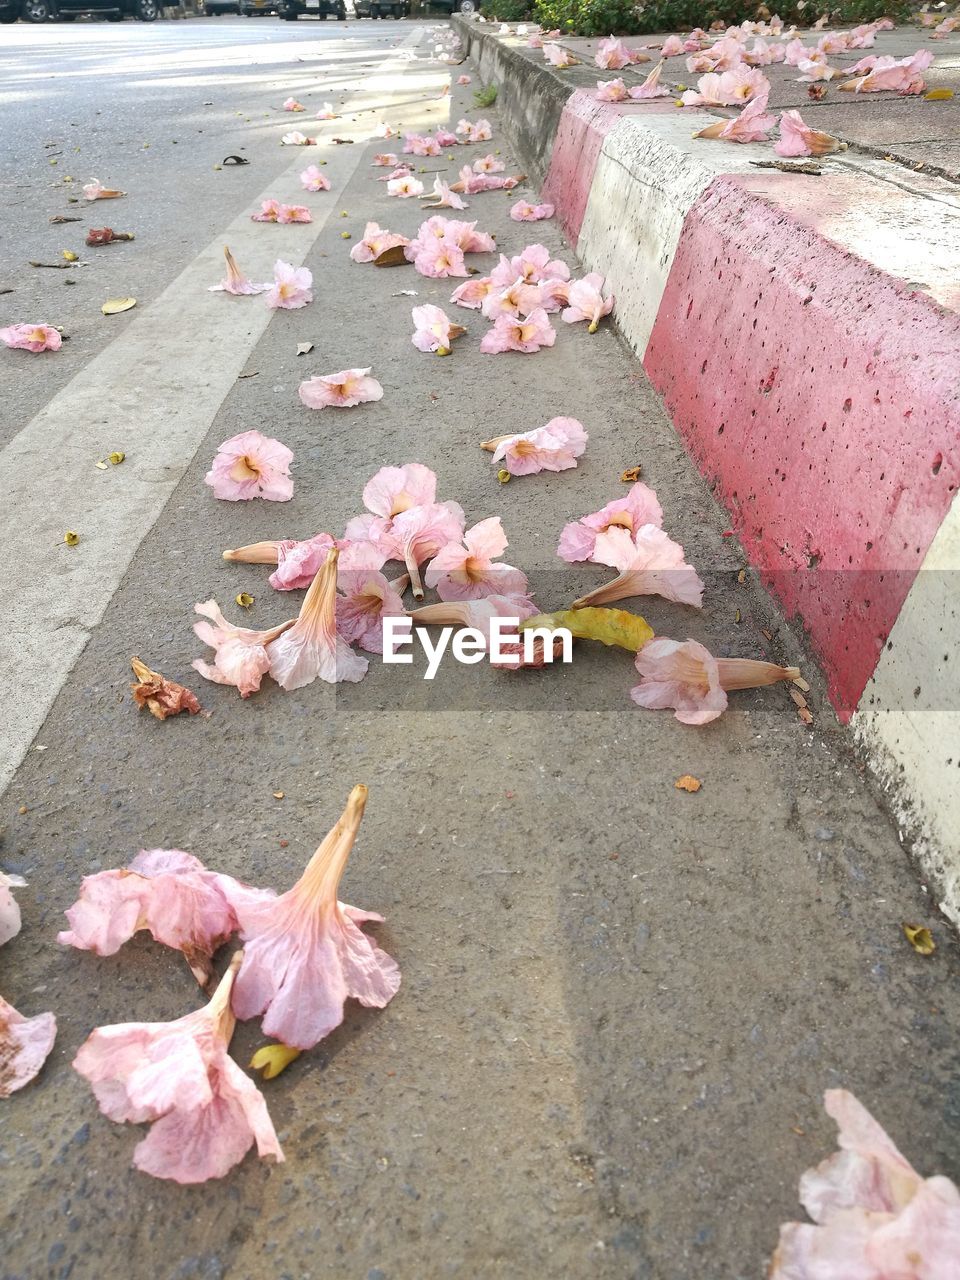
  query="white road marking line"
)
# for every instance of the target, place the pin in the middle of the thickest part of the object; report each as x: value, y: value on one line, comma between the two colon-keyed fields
x: 153, y: 392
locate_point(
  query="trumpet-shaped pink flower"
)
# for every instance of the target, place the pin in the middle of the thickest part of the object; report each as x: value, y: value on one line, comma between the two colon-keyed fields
x: 313, y: 179
x: 269, y: 211
x: 340, y: 390
x: 637, y: 507
x: 519, y: 299
x: 367, y: 599
x: 587, y: 302
x: 729, y: 89
x: 448, y: 231
x: 611, y: 91
x: 798, y: 139
x: 834, y: 42
x: 169, y: 893
x: 235, y: 281
x: 25, y: 1045
x: 444, y: 197
x: 434, y: 330
x: 672, y: 47
x: 304, y: 955
x: 796, y: 52
x: 876, y: 1218
x: 681, y: 676
x: 404, y: 187
x: 473, y: 292
x: 240, y: 654
x: 375, y: 241
x: 464, y: 79
x: 763, y: 54
x: 206, y: 1113
x: 479, y: 132
x: 439, y: 260
x: 524, y: 211
x: 311, y: 648
x: 9, y: 908
x: 297, y: 139
x: 899, y: 75
x: 394, y: 490
x: 446, y: 139
x: 613, y: 54
x: 651, y: 86
x: 274, y: 211
x: 299, y: 561
x: 95, y: 190
x: 466, y: 570
x: 327, y: 112
x: 415, y: 144
x: 751, y: 125
x: 31, y: 337
x: 475, y: 613
x: 558, y: 57
x: 292, y: 287
x: 385, y: 159
x: 533, y: 264
x: 650, y: 564
x: 291, y: 104
x: 251, y: 465
x: 553, y: 447
x: 814, y: 69
x: 418, y: 533
x: 472, y: 183
x: 554, y: 295
x: 512, y: 333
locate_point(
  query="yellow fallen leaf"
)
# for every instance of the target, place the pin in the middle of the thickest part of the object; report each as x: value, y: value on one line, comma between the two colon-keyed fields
x: 71, y: 538
x: 113, y: 306
x: 70, y: 256
x: 938, y: 95
x: 920, y: 938
x: 345, y: 235
x: 279, y: 795
x: 116, y: 457
x: 609, y: 626
x: 273, y: 1058
x: 244, y: 600
x: 631, y: 474
x: 688, y: 783
x: 503, y: 475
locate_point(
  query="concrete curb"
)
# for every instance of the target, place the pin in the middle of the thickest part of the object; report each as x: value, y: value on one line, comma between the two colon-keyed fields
x: 804, y: 334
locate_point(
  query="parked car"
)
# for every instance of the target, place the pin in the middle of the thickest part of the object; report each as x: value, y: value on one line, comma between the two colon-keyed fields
x: 69, y: 10
x: 215, y: 7
x: 454, y: 6
x: 258, y: 8
x: 290, y: 10
x: 381, y: 8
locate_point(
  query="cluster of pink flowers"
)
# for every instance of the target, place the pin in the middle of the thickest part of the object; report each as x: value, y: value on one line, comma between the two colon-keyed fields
x: 25, y: 1043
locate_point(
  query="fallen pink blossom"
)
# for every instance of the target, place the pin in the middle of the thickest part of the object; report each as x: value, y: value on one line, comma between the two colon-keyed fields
x: 366, y: 600
x: 404, y: 187
x: 637, y: 507
x: 611, y: 91
x: 796, y: 52
x: 95, y: 190
x: 473, y: 292
x: 466, y: 570
x: 251, y: 465
x: 417, y: 534
x: 488, y: 164
x: 292, y: 287
x: 672, y: 47
x: 25, y: 1045
x: 375, y: 241
x: 385, y: 159
x: 235, y: 281
x: 519, y: 299
x: 416, y: 144
x: 434, y: 331
x: 474, y: 613
x: 9, y: 908
x: 240, y: 657
x: 587, y: 302
x: 612, y: 54
x: 554, y: 295
x: 729, y: 89
x: 304, y: 955
x: 311, y: 649
x: 326, y: 112
x: 798, y: 139
x: 813, y: 70
x: 340, y: 390
x: 533, y: 264
x: 31, y: 337
x: 313, y: 179
x: 556, y: 446
x: 649, y: 563
x: 903, y: 75
x: 651, y: 86
x: 292, y: 104
x: 559, y: 57
x: 445, y: 198
x: 297, y: 139
x: 274, y: 211
x: 513, y: 333
x: 463, y: 79
x: 206, y: 1113
x: 524, y: 211
x: 751, y: 125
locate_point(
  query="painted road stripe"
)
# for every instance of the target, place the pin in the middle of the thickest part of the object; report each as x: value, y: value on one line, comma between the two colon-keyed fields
x: 154, y: 392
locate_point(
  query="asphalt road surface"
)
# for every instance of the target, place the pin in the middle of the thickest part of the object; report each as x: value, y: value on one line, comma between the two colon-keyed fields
x: 621, y: 1003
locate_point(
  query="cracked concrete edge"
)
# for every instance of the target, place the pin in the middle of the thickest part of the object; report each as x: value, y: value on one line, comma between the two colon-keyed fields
x: 852, y: 282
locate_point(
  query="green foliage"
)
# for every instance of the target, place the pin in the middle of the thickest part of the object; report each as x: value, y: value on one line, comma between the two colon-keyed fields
x: 642, y: 17
x: 506, y: 10
x: 486, y: 97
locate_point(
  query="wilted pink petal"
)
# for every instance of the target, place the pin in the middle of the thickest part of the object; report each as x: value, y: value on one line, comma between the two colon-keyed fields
x: 463, y: 79
x: 587, y: 302
x: 466, y: 571
x: 297, y: 139
x: 611, y: 91
x: 291, y: 104
x: 434, y: 330
x: 386, y: 159
x: 25, y: 1045
x: 95, y: 190
x: 519, y: 299
x: 796, y: 52
x: 206, y: 1112
x: 671, y: 47
x: 729, y: 89
x: 533, y: 264
x: 417, y: 145
x: 313, y: 179
x: 292, y: 287
x: 473, y: 292
x: 763, y: 54
x: 479, y: 132
x: 404, y: 187
x: 311, y: 648
x: 651, y: 86
x: 304, y: 955
x: 165, y: 891
x: 235, y: 281
x: 327, y: 112
x: 612, y: 54
x: 340, y: 390
x: 554, y: 295
x: 440, y: 260
x: 683, y: 676
x: 445, y: 198
x: 553, y: 447
x: 375, y: 241
x: 751, y: 125
x: 903, y: 75
x: 418, y: 533
x: 366, y: 600
x: 558, y: 57
x: 396, y: 489
x: 650, y: 564
x: 269, y: 211
x: 834, y: 42
x: 815, y: 69
x: 31, y: 337
x: 9, y: 909
x: 251, y: 465
x: 240, y: 653
x: 637, y: 507
x: 511, y: 333
x: 797, y: 139
x: 524, y: 211
x: 475, y: 613
x: 293, y: 213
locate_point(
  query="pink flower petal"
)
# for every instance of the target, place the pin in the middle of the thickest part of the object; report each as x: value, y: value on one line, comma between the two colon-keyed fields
x: 25, y: 1045
x: 251, y: 465
x: 340, y: 390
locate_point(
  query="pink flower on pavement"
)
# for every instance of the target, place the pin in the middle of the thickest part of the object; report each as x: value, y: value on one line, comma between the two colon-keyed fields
x: 796, y: 52
x: 251, y: 465
x: 311, y: 648
x: 446, y: 139
x: 415, y: 144
x: 587, y: 302
x: 728, y: 89
x: 479, y: 132
x: 375, y: 241
x: 386, y: 159
x: 367, y: 599
x: 672, y: 47
x: 813, y: 70
x: 393, y: 490
x: 235, y: 281
x: 520, y: 299
x: 473, y: 292
x: 31, y: 337
x: 834, y: 42
x: 751, y: 125
x: 434, y: 330
x: 903, y: 75
x: 524, y: 211
x: 611, y: 91
x: 488, y: 164
x: 326, y: 112
x: 298, y: 563
x: 95, y: 190
x: 418, y: 533
x: 404, y: 187
x: 240, y: 657
x: 554, y: 295
x: 292, y: 104
x: 445, y: 198
x: 440, y: 260
x: 466, y: 571
x: 304, y: 955
x: 612, y: 54
x: 553, y: 447
x: 558, y: 57
x: 682, y: 676
x: 637, y: 507
x: 25, y: 1045
x: 533, y: 264
x: 9, y: 909
x: 474, y: 613
x: 650, y: 564
x: 206, y: 1113
x: 274, y: 211
x: 651, y: 86
x: 763, y: 54
x: 313, y: 179
x: 797, y: 139
x: 340, y: 390
x: 877, y: 1219
x: 292, y: 287
x: 463, y: 79
x: 297, y: 139
x: 511, y: 333
x: 169, y: 893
